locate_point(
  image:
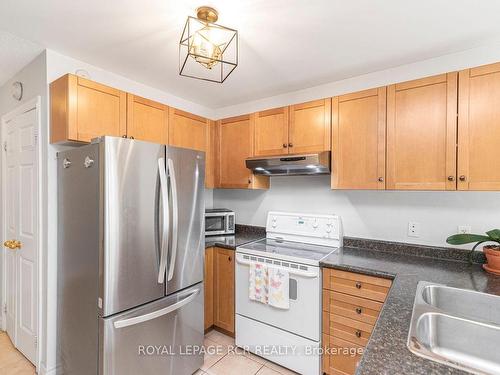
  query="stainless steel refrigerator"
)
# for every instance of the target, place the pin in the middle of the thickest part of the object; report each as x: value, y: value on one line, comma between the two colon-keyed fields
x: 130, y: 259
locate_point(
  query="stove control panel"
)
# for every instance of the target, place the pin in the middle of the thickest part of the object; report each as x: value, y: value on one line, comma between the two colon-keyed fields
x: 310, y: 228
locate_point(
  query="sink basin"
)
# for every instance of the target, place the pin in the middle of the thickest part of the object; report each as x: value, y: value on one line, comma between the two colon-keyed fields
x: 461, y: 343
x: 457, y: 327
x: 465, y: 303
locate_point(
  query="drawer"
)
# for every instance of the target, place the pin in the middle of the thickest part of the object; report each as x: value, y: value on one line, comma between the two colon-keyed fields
x: 346, y: 329
x: 341, y: 357
x: 355, y: 284
x: 357, y: 308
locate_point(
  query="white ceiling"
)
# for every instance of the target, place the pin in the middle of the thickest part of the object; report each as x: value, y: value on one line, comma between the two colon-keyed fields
x: 285, y: 45
x: 15, y: 53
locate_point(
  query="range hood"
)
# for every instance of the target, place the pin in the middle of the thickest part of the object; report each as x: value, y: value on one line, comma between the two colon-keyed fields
x: 291, y: 165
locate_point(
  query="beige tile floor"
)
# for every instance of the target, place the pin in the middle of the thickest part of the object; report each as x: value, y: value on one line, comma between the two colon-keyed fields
x: 224, y: 362
x: 13, y: 362
x: 237, y: 362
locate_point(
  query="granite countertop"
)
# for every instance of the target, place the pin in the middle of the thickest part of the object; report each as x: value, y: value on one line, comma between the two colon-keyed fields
x: 386, y: 352
x: 243, y: 234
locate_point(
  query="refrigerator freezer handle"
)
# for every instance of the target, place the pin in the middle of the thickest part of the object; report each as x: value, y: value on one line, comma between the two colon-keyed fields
x: 156, y: 314
x: 166, y: 220
x: 175, y: 219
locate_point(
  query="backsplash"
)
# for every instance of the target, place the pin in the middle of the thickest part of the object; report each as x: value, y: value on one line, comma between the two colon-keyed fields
x: 382, y: 215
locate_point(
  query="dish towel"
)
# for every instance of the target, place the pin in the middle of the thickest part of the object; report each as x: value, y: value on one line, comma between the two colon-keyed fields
x: 278, y: 288
x: 257, y: 286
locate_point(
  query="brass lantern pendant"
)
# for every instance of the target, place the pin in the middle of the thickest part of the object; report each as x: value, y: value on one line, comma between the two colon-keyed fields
x: 207, y: 51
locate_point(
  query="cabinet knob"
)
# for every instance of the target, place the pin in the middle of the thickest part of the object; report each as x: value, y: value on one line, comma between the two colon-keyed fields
x: 358, y: 310
x: 358, y: 285
x: 124, y: 136
x: 451, y: 178
x: 229, y: 258
x: 131, y: 137
x: 358, y: 333
x: 380, y: 179
x: 462, y: 178
x: 249, y: 180
x: 290, y: 144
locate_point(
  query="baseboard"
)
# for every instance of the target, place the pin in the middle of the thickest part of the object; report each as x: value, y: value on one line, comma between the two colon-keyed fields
x: 44, y: 371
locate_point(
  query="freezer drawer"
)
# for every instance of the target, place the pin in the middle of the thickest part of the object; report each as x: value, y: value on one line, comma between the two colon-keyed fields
x: 155, y: 339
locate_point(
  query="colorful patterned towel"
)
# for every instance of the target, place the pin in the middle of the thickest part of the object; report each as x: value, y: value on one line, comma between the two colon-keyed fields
x: 257, y: 287
x: 278, y: 288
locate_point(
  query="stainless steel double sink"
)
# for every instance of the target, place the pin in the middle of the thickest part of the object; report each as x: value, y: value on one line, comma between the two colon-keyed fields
x: 456, y: 327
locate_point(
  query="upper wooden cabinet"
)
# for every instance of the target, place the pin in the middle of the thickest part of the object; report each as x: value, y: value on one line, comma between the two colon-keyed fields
x: 358, y: 140
x: 310, y: 127
x: 271, y: 132
x: 82, y: 110
x: 147, y: 120
x: 235, y: 145
x: 300, y: 128
x: 421, y: 134
x: 479, y: 128
x: 187, y: 130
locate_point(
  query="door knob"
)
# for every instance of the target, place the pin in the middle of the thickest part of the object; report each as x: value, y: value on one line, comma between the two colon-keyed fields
x: 12, y: 244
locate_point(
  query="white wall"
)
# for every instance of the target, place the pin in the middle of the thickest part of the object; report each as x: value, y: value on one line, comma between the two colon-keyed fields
x: 368, y: 214
x: 442, y: 64
x: 58, y: 65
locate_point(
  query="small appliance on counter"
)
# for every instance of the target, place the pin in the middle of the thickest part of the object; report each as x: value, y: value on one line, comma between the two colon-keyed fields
x: 219, y: 221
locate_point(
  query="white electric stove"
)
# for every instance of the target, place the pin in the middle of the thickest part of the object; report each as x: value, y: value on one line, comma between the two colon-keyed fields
x: 295, y: 243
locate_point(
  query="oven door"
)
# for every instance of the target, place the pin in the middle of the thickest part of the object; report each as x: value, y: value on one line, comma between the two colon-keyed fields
x: 215, y: 224
x: 304, y: 315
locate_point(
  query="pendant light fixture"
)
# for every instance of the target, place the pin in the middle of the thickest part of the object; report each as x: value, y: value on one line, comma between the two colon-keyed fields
x: 207, y: 51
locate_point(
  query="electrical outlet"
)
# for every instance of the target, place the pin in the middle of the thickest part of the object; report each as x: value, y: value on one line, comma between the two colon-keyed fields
x: 464, y: 229
x: 413, y: 229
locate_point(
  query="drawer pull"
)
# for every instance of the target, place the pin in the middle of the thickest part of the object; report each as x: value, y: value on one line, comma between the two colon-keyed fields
x: 358, y: 285
x: 358, y: 334
x: 358, y: 310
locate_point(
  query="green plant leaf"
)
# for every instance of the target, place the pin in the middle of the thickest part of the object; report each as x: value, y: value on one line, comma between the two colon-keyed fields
x: 461, y: 239
x: 494, y: 234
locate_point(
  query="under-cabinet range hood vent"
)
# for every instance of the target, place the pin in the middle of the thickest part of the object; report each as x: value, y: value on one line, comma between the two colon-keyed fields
x: 291, y: 165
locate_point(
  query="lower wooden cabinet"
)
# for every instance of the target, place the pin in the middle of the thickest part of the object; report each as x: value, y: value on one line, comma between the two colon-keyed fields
x: 219, y: 289
x: 351, y: 306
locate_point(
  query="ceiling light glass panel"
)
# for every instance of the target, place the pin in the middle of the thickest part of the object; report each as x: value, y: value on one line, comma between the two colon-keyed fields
x: 207, y: 51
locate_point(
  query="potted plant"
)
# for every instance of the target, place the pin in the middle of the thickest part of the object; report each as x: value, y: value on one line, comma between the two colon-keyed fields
x: 492, y: 252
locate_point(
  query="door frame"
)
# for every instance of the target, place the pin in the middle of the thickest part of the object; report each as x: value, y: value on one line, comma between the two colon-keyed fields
x: 32, y: 104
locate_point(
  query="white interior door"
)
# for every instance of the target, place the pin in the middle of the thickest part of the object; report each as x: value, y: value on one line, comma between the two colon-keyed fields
x: 21, y: 224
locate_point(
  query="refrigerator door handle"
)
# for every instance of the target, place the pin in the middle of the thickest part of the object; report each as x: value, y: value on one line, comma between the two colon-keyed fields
x: 166, y: 220
x: 175, y: 219
x: 156, y: 314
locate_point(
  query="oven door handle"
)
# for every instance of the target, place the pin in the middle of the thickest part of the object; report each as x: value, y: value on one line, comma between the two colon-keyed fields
x: 290, y: 271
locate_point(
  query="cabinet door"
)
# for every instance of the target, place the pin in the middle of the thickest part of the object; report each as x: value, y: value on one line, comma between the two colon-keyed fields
x: 187, y: 130
x: 479, y: 128
x: 147, y: 120
x: 209, y: 287
x: 82, y: 110
x: 235, y: 136
x: 271, y: 132
x: 310, y: 127
x: 421, y: 134
x: 224, y: 289
x: 211, y: 154
x: 358, y: 152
